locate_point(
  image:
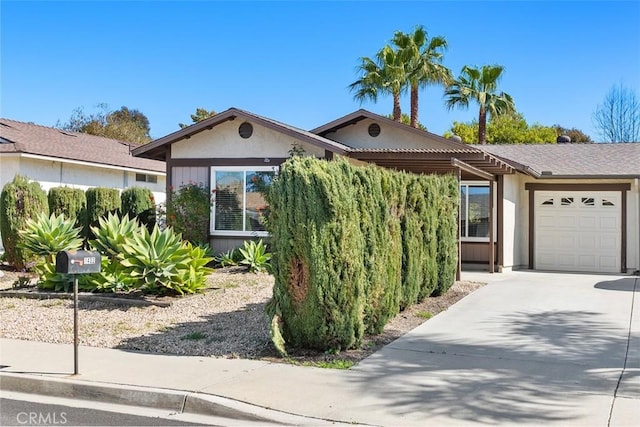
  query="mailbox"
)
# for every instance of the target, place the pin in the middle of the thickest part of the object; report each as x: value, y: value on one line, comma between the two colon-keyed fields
x: 78, y: 262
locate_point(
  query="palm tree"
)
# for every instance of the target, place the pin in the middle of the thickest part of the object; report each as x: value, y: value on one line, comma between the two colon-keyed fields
x: 385, y: 75
x: 422, y: 59
x: 480, y: 85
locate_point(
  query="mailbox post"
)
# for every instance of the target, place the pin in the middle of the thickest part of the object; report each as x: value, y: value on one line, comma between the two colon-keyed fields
x: 77, y: 262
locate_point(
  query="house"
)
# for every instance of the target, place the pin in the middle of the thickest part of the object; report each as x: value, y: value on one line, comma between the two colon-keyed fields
x: 547, y: 207
x: 55, y: 158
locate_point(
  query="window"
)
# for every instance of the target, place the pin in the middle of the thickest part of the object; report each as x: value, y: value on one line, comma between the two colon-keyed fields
x: 374, y: 130
x: 141, y: 177
x: 474, y: 221
x: 588, y: 201
x: 239, y: 204
x: 245, y: 130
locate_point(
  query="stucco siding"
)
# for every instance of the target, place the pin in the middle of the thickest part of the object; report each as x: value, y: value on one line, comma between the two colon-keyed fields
x: 225, y: 142
x: 9, y: 167
x: 511, y: 222
x: 357, y: 136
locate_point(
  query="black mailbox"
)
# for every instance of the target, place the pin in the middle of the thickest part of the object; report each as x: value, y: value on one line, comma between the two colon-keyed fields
x: 78, y: 262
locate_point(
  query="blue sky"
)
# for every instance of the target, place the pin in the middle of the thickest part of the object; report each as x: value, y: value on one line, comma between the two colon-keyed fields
x: 292, y: 61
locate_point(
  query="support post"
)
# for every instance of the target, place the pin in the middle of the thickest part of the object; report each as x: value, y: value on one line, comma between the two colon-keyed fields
x: 492, y: 261
x: 459, y: 268
x: 75, y: 324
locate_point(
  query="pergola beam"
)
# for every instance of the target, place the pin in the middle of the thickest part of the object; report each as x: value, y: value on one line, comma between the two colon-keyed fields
x: 472, y: 169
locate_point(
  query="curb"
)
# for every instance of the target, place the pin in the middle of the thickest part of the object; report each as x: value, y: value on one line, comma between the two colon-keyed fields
x: 170, y: 400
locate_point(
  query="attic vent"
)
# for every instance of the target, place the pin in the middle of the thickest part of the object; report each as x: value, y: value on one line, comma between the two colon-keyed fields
x: 374, y: 130
x: 563, y: 139
x: 245, y: 130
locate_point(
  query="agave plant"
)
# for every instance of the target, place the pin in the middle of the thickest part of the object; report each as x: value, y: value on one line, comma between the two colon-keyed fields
x: 226, y: 259
x: 45, y: 237
x: 194, y: 278
x: 255, y: 256
x: 155, y: 260
x: 111, y: 234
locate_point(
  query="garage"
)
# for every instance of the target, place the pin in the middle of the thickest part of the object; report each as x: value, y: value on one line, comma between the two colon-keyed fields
x: 578, y: 231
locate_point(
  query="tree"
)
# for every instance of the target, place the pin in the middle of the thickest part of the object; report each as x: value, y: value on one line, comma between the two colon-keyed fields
x: 617, y: 119
x: 123, y: 124
x: 576, y: 135
x: 480, y: 85
x: 505, y: 129
x: 199, y: 116
x: 405, y: 119
x: 422, y: 59
x: 385, y: 75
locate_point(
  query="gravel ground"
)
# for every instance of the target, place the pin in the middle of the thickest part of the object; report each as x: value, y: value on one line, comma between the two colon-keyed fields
x: 228, y: 320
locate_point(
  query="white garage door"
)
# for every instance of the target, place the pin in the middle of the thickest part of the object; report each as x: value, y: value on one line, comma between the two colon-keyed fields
x: 578, y: 231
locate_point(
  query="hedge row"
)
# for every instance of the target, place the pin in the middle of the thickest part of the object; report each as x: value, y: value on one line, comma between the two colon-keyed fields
x: 22, y: 200
x: 352, y: 246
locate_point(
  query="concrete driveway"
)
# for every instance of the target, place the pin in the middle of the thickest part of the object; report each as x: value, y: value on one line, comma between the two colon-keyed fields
x: 528, y: 348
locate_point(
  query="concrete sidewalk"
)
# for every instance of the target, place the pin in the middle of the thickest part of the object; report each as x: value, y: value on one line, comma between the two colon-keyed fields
x: 528, y: 348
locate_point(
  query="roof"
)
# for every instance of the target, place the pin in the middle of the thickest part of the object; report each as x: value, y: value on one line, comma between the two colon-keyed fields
x: 28, y: 138
x: 362, y: 114
x: 620, y: 160
x: 157, y: 149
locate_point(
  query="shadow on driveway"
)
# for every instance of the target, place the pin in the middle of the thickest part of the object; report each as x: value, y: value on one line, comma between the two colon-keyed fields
x: 534, y: 369
x: 628, y: 284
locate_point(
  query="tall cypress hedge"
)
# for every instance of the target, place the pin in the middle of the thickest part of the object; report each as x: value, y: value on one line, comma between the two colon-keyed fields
x: 100, y: 202
x: 139, y: 203
x: 70, y: 202
x: 20, y: 201
x: 352, y: 246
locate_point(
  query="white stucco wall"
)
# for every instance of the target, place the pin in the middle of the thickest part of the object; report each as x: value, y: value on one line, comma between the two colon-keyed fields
x: 516, y: 218
x: 357, y: 136
x: 9, y: 167
x: 53, y: 173
x: 223, y: 141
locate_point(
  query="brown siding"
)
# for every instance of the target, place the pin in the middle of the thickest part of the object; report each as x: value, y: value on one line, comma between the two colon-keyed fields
x: 476, y: 252
x: 183, y: 175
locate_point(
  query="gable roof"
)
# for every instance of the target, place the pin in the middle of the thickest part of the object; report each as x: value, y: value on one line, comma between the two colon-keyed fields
x: 157, y: 149
x: 620, y: 160
x: 32, y: 139
x: 362, y: 114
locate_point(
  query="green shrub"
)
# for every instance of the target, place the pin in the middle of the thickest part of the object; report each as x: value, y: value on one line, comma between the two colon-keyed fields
x: 44, y: 237
x: 139, y: 203
x: 317, y: 256
x: 100, y: 202
x: 20, y: 201
x: 352, y: 246
x: 188, y: 212
x: 70, y: 202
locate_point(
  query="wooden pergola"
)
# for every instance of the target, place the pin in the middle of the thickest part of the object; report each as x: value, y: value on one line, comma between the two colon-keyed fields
x: 465, y: 164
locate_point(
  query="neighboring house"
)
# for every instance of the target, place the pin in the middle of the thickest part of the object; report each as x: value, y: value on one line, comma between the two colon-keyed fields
x: 548, y: 207
x: 55, y: 158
